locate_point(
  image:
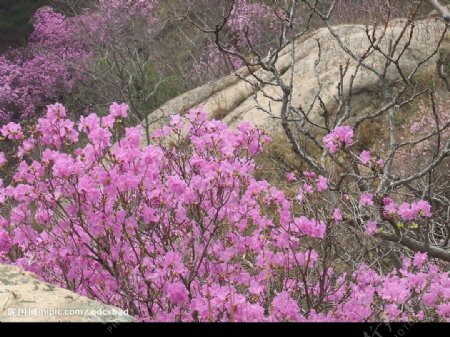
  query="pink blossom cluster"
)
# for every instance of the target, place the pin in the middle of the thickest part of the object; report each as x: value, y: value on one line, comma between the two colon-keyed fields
x: 407, y: 211
x: 12, y: 131
x: 339, y: 137
x: 366, y: 199
x: 406, y: 295
x: 5, y: 242
x: 367, y: 159
x: 251, y: 16
x: 312, y: 184
x: 180, y: 230
x: 111, y: 21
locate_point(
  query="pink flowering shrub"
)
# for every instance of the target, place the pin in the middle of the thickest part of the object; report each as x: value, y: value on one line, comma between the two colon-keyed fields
x: 111, y: 21
x: 180, y: 230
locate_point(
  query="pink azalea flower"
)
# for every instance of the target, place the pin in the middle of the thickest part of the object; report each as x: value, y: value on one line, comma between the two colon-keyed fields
x: 291, y: 177
x: 3, y: 160
x: 308, y: 188
x: 341, y: 136
x: 309, y: 174
x: 337, y: 215
x: 12, y: 131
x: 365, y: 157
x: 387, y: 201
x: 371, y: 227
x: 422, y: 207
x: 312, y: 228
x: 407, y: 212
x: 300, y: 196
x: 366, y: 199
x: 380, y: 163
x: 284, y: 308
x: 390, y: 210
x: 5, y: 241
x: 420, y: 259
x: 177, y: 293
x: 322, y: 183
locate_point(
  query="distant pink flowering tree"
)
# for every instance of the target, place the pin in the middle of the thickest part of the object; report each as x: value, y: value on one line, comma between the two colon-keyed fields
x: 105, y: 47
x: 41, y: 72
x: 181, y: 230
x: 121, y: 37
x: 250, y: 26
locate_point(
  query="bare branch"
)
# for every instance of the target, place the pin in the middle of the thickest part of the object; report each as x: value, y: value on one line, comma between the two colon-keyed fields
x: 442, y: 10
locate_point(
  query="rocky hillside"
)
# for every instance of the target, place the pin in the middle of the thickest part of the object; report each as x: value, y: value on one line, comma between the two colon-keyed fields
x: 234, y: 100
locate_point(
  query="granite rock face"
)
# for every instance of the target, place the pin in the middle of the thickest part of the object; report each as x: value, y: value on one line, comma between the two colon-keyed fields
x: 233, y: 100
x: 24, y: 298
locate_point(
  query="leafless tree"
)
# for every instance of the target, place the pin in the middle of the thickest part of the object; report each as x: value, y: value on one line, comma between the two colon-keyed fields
x: 122, y: 66
x: 303, y: 125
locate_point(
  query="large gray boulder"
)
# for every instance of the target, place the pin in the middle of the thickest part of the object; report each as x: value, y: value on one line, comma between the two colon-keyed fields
x: 233, y: 100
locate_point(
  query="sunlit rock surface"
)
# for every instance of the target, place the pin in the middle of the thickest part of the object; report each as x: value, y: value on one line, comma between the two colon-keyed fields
x: 23, y: 298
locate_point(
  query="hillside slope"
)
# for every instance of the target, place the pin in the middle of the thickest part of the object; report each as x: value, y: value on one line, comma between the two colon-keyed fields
x: 233, y: 100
